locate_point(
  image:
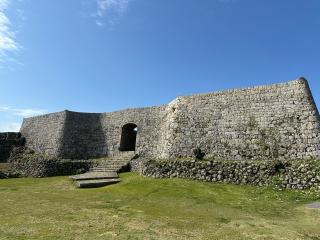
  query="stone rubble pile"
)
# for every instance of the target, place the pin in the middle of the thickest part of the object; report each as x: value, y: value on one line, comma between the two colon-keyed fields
x: 30, y: 164
x: 9, y: 140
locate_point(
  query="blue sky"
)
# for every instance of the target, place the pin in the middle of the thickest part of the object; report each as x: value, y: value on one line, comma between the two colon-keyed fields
x: 105, y: 55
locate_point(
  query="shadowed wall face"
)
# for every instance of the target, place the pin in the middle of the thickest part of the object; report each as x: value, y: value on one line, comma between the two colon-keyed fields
x: 83, y: 136
x: 9, y: 140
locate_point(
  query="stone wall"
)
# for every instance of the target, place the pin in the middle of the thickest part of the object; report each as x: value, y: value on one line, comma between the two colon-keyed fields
x: 267, y: 122
x: 278, y: 121
x: 297, y: 174
x: 9, y: 140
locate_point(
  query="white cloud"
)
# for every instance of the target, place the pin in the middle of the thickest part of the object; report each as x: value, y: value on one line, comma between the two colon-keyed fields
x: 8, y: 42
x: 22, y: 112
x: 109, y: 10
x: 10, y: 127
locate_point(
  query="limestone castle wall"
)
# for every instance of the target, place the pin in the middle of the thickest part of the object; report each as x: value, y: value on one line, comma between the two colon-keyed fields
x: 275, y: 121
x: 266, y: 122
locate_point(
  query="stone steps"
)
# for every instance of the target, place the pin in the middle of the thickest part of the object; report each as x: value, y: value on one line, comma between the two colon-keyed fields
x: 104, y: 165
x: 115, y: 166
x: 111, y: 164
x: 105, y: 173
x: 105, y: 170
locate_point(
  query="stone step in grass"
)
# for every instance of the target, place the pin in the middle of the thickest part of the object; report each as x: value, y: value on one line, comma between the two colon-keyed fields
x: 314, y: 205
x: 95, y: 175
x: 96, y: 183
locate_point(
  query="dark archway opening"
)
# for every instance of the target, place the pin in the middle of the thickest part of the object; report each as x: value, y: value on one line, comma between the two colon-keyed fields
x: 128, y: 137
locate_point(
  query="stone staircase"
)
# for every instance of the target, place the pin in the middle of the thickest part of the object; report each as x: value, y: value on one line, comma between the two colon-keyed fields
x: 104, y: 172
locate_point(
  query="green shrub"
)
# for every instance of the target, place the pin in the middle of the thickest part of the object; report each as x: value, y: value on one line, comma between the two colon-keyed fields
x: 198, y: 154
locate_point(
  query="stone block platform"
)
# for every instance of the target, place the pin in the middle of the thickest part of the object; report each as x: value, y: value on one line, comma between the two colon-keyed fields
x: 95, y: 179
x: 96, y: 183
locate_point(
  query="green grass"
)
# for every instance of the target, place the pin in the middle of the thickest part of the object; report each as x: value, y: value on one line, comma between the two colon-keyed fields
x: 146, y: 208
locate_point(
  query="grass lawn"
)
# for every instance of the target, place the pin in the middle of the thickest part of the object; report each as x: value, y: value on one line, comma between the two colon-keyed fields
x: 146, y: 208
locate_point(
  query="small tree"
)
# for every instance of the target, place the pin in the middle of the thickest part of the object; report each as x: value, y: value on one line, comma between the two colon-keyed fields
x: 198, y: 154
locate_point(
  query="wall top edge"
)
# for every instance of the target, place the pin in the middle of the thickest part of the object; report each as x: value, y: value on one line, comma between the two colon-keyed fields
x: 299, y: 81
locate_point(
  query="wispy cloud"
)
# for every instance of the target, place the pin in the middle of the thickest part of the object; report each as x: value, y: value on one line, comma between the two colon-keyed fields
x: 109, y: 11
x: 11, y: 117
x: 105, y: 6
x: 8, y: 42
x: 22, y: 112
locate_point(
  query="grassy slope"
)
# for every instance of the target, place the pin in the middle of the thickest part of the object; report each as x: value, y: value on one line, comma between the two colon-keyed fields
x: 145, y: 208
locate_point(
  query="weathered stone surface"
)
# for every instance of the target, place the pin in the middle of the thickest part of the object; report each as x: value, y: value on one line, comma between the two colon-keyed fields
x: 278, y: 121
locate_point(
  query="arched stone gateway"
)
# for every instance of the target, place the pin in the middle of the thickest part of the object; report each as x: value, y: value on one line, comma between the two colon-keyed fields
x: 128, y: 137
